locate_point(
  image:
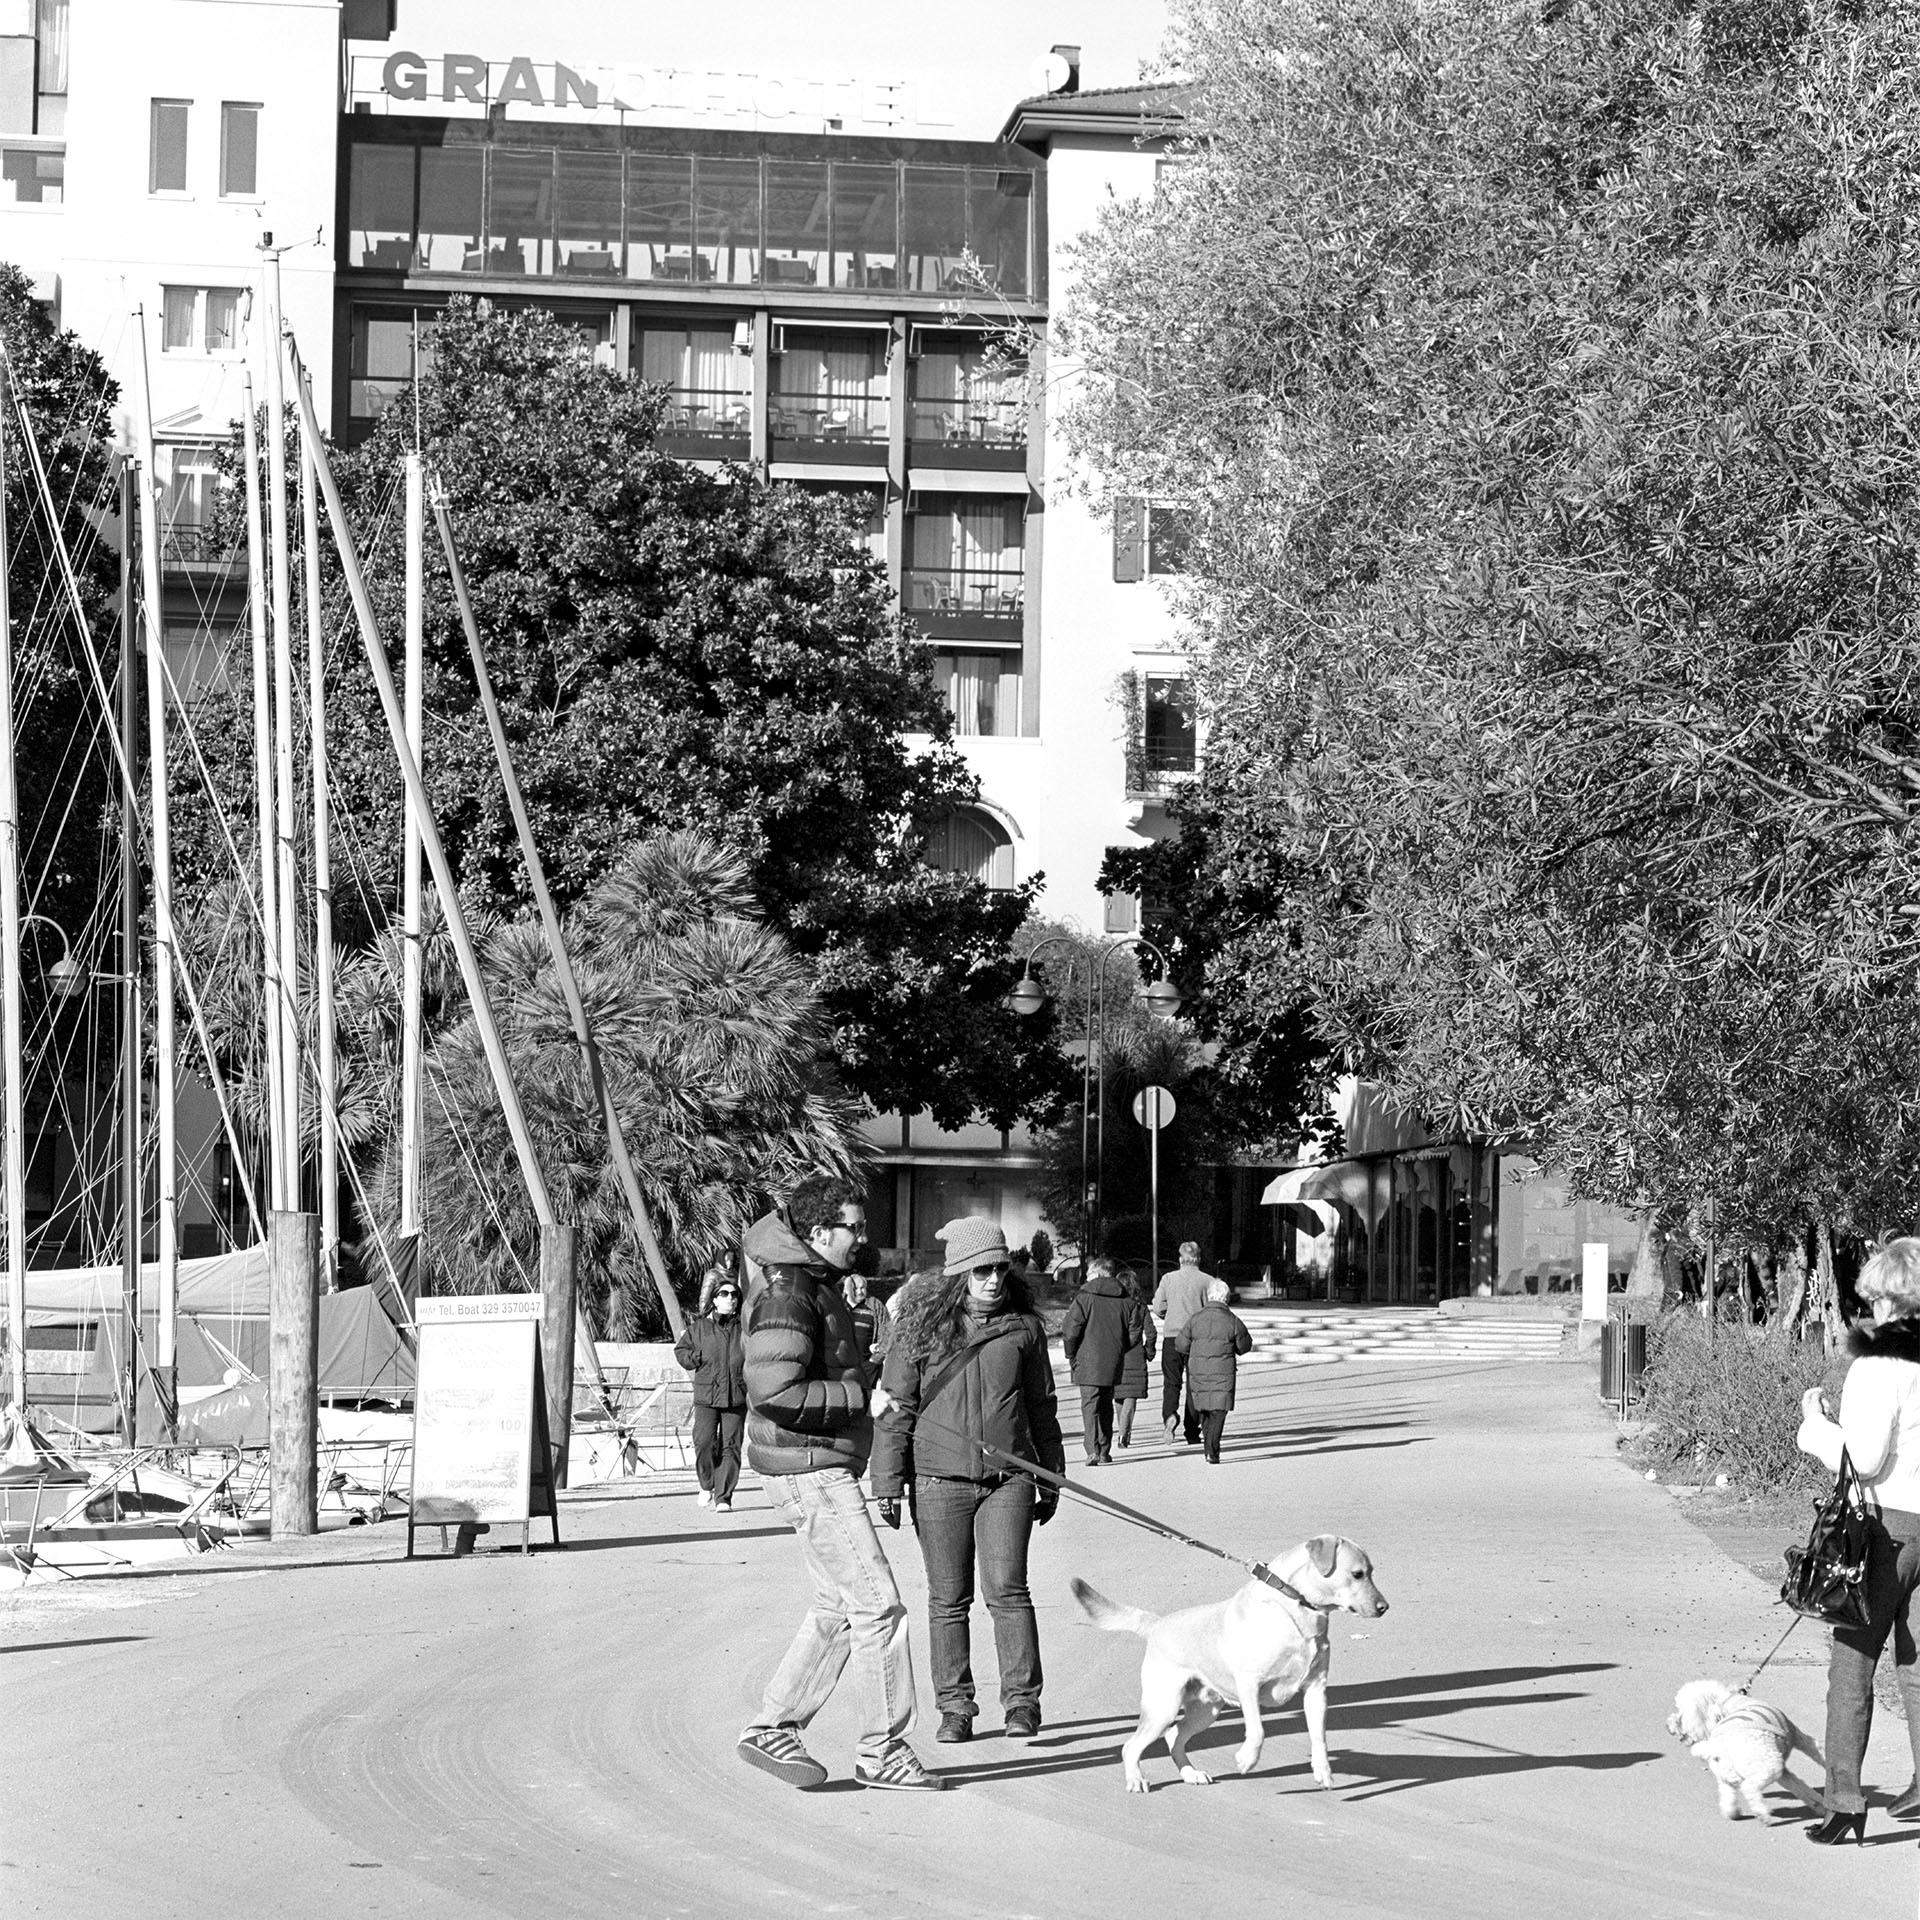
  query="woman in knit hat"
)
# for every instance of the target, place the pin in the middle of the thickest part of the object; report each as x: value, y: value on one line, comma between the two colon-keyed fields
x: 967, y: 1365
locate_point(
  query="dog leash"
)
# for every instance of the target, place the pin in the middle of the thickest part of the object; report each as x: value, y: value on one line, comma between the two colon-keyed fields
x: 1104, y: 1503
x: 1768, y: 1661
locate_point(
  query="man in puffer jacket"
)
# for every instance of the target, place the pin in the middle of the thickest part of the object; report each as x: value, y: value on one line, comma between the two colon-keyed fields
x: 809, y: 1431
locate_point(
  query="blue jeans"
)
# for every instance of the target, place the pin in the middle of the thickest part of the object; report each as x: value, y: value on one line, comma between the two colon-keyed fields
x: 1893, y: 1572
x: 961, y: 1522
x: 857, y: 1614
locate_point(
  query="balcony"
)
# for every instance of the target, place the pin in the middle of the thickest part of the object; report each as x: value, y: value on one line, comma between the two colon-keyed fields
x: 849, y: 431
x: 968, y: 603
x: 707, y: 423
x: 989, y: 434
x: 185, y: 546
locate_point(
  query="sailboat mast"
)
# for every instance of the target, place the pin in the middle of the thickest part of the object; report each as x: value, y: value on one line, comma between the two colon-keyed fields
x: 264, y: 808
x: 410, y: 957
x: 10, y: 1065
x: 282, y: 607
x: 168, y: 1250
x: 324, y: 1082
x: 131, y: 1189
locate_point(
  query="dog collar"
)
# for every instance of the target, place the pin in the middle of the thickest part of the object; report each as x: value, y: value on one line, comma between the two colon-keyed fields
x: 1267, y: 1577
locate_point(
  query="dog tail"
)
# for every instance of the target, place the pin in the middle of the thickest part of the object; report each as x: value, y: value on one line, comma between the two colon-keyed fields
x: 1109, y: 1615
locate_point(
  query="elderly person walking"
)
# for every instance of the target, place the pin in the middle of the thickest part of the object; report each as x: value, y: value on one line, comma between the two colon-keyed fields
x: 968, y: 1363
x: 712, y: 1350
x: 1180, y: 1295
x: 1211, y: 1343
x: 1095, y: 1336
x: 1879, y: 1426
x: 1132, y: 1387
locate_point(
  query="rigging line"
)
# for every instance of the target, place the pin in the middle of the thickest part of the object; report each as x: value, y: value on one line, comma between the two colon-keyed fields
x: 112, y: 730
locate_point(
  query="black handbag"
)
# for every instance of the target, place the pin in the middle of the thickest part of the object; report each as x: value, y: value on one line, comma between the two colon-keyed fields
x: 1827, y: 1578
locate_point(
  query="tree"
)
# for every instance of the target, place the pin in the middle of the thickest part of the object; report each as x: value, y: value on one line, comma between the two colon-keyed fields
x: 1544, y: 378
x: 717, y: 1050
x: 673, y: 649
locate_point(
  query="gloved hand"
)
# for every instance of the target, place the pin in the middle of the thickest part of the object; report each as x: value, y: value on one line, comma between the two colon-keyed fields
x: 890, y: 1513
x: 1046, y: 1504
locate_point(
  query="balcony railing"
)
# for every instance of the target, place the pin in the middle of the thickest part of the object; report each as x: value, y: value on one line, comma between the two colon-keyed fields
x: 188, y: 545
x: 969, y: 423
x: 985, y: 596
x: 712, y: 421
x: 824, y: 418
x: 1161, y: 769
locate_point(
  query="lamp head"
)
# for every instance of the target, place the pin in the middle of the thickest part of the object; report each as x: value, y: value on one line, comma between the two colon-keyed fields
x: 67, y: 977
x: 1028, y: 995
x: 1162, y: 999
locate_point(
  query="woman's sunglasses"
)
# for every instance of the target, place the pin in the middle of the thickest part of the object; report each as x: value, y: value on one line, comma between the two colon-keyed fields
x: 1000, y: 1267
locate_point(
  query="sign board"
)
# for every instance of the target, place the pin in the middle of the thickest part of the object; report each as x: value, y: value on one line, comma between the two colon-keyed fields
x: 1593, y: 1279
x: 480, y: 1447
x: 1153, y: 1107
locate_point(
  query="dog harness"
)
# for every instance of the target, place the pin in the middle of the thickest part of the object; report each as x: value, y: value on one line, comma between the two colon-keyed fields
x: 1741, y: 1711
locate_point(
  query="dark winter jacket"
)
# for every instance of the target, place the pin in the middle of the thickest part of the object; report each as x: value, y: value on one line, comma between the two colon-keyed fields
x: 1094, y: 1334
x: 1210, y: 1340
x: 1002, y: 1394
x: 713, y: 1351
x: 1140, y: 1349
x: 806, y: 1385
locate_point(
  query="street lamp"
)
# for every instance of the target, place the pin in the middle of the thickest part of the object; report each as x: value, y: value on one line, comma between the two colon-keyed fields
x: 1162, y: 1000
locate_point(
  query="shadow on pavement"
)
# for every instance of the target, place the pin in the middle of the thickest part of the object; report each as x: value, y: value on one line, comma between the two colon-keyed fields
x: 58, y: 1646
x: 715, y: 1533
x: 1448, y: 1682
x: 1385, y: 1773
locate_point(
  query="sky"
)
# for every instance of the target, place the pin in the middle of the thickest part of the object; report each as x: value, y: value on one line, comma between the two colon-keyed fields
x: 964, y: 64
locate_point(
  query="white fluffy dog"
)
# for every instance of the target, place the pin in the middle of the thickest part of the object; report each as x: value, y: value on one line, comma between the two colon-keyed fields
x: 1746, y: 1745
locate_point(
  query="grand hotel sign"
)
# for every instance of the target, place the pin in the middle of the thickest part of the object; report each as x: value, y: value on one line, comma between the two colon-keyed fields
x: 458, y: 82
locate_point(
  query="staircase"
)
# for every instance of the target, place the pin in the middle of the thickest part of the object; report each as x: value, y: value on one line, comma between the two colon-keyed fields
x: 1308, y: 1336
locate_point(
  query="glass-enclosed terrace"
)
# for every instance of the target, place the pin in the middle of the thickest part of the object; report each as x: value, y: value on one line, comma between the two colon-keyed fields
x: 450, y: 203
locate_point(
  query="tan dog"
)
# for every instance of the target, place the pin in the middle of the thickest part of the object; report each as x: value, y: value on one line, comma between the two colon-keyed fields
x: 1746, y: 1745
x: 1202, y: 1658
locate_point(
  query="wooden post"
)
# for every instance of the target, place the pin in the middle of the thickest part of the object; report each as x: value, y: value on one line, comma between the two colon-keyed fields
x: 556, y: 1338
x: 293, y: 1243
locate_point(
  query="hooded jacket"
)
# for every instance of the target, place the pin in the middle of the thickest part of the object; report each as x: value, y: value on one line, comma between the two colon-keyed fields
x: 1102, y: 1322
x: 806, y: 1386
x: 711, y: 1349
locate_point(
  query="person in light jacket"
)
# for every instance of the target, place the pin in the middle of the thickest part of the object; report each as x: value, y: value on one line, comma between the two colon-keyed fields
x: 1095, y: 1337
x: 1879, y: 1426
x: 712, y: 1350
x: 1211, y: 1343
x: 1179, y: 1296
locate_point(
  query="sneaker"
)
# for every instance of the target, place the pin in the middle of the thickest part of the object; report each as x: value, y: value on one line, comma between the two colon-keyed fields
x: 956, y: 1729
x: 1023, y: 1723
x: 706, y: 1497
x: 777, y: 1750
x: 723, y: 1506
x: 901, y: 1769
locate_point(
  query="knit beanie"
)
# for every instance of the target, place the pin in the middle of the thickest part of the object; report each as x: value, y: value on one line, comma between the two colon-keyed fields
x: 970, y: 1242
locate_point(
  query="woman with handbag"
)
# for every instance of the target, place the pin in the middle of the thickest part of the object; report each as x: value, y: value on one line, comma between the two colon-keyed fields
x: 1133, y: 1362
x: 1879, y: 1432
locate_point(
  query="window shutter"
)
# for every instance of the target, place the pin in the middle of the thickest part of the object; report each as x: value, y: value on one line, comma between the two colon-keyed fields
x: 1129, y: 540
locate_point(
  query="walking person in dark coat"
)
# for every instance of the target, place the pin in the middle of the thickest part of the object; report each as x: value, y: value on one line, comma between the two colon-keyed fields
x: 1180, y: 1295
x: 712, y: 1350
x: 1094, y: 1337
x: 1132, y: 1388
x: 1212, y: 1342
x: 967, y: 1364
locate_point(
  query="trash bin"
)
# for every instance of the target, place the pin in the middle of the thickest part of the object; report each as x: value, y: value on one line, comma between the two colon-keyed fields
x: 1610, y: 1359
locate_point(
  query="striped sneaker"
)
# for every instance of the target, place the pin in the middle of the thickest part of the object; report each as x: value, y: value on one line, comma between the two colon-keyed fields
x: 901, y: 1769
x: 777, y: 1750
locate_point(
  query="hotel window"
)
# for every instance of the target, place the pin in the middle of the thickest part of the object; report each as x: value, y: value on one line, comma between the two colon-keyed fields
x: 239, y: 148
x: 201, y: 319
x: 726, y: 222
x: 1149, y: 540
x: 965, y: 395
x: 520, y: 211
x: 190, y: 506
x: 972, y: 843
x: 196, y: 659
x: 167, y: 147
x: 1170, y: 737
x: 450, y: 187
x: 659, y: 202
x: 866, y: 226
x: 799, y: 236
x: 830, y: 385
x: 954, y: 212
x: 380, y: 359
x: 51, y: 34
x: 982, y: 689
x: 32, y: 176
x: 587, y: 196
x: 1169, y: 539
x: 968, y: 556
x: 710, y: 386
x: 380, y: 208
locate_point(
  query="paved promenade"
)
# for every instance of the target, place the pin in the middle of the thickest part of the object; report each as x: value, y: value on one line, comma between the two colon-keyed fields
x: 325, y: 1730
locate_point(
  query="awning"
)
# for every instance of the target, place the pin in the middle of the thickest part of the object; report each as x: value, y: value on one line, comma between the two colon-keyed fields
x: 1004, y: 481
x: 1345, y: 1183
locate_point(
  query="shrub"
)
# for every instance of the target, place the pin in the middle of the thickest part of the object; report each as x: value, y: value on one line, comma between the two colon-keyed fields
x: 1732, y: 1407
